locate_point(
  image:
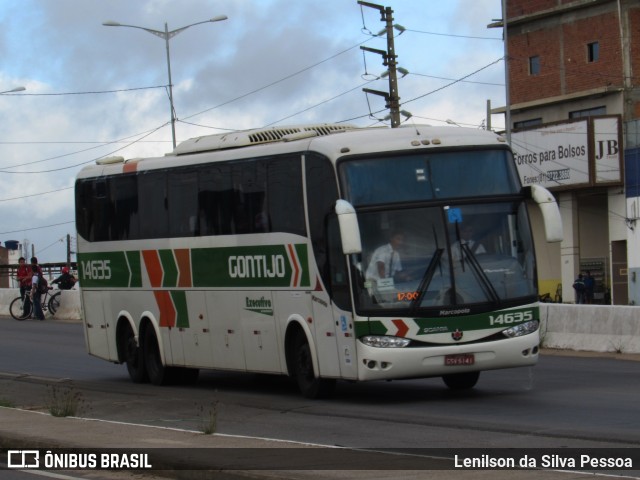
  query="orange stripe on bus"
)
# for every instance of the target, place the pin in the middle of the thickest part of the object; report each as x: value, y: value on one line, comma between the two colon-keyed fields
x: 167, y: 310
x: 130, y: 167
x: 183, y: 258
x: 296, y: 267
x: 154, y: 267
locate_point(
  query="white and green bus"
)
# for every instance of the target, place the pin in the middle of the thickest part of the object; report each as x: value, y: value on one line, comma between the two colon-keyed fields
x: 250, y: 252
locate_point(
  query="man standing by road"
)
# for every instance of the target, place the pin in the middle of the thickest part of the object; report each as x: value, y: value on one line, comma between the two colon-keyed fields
x: 578, y: 286
x: 36, y: 295
x: 589, y: 284
x: 24, y: 280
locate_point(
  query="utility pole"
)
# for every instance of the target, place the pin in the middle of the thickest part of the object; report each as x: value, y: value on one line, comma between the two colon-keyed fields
x: 388, y: 60
x: 68, y: 250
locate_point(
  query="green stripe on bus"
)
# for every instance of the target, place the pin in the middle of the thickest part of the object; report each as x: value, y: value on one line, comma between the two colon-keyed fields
x: 428, y: 326
x: 133, y: 258
x: 179, y: 298
x: 169, y: 267
x: 301, y: 251
x: 256, y: 266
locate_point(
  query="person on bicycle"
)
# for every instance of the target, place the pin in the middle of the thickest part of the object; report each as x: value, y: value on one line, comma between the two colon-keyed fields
x: 66, y: 281
x: 36, y: 286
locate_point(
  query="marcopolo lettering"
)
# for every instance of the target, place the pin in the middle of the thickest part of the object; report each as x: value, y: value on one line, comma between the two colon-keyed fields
x: 257, y: 266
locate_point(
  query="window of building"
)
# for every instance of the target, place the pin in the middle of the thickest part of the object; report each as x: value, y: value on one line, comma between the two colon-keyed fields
x: 593, y: 52
x: 534, y: 65
x: 528, y: 123
x: 588, y: 112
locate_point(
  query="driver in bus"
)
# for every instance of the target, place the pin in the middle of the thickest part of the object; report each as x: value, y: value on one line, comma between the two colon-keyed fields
x: 385, y: 262
x: 466, y: 238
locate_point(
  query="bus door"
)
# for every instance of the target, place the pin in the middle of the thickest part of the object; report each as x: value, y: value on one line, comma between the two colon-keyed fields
x: 256, y: 313
x: 325, y: 334
x: 337, y: 278
x: 346, y: 342
x: 196, y: 340
x: 225, y: 330
x: 99, y: 324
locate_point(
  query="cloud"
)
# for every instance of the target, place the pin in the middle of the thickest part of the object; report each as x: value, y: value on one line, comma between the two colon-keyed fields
x: 272, y: 62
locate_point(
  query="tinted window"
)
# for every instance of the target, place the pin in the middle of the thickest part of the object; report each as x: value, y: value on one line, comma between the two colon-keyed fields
x: 322, y: 193
x: 416, y: 178
x: 152, y: 198
x: 249, y: 196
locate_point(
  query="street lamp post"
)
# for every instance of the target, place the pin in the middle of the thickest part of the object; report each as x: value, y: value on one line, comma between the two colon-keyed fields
x: 13, y: 90
x: 167, y: 35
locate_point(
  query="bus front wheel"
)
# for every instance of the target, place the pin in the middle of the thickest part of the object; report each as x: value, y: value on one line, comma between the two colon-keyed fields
x: 310, y: 386
x: 461, y: 381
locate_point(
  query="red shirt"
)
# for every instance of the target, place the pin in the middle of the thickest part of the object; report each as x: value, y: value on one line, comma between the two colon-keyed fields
x: 24, y: 275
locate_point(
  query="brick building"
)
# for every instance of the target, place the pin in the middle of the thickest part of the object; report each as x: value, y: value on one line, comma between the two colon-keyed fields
x: 573, y: 118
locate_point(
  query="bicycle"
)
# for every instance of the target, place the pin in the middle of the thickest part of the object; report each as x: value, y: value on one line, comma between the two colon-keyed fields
x: 22, y: 308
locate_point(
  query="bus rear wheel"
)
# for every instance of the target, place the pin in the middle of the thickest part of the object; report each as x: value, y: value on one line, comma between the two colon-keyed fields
x: 461, y: 381
x: 310, y: 386
x: 158, y: 374
x: 134, y: 358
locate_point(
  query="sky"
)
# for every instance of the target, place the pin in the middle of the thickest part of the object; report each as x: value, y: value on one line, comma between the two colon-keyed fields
x: 93, y: 91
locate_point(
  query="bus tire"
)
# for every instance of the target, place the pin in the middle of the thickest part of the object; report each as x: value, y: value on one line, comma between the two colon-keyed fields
x: 310, y: 386
x: 158, y: 374
x: 134, y: 357
x: 461, y: 381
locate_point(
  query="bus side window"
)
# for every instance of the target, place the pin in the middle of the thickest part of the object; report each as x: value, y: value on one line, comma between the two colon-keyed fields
x: 322, y: 193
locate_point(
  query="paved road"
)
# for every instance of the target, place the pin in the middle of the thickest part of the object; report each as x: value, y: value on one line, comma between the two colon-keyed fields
x: 578, y: 402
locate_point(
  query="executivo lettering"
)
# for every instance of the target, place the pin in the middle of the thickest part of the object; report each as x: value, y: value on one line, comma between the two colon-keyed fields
x: 257, y: 303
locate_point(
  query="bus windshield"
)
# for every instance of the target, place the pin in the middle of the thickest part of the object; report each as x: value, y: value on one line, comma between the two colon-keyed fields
x: 437, y: 256
x: 421, y: 251
x: 414, y: 178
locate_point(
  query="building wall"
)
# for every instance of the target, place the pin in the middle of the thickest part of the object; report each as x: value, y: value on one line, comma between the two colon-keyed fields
x: 518, y: 8
x: 558, y: 32
x: 613, y: 103
x: 561, y: 43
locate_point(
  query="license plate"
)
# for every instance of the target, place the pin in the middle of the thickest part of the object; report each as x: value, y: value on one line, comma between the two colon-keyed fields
x: 461, y: 359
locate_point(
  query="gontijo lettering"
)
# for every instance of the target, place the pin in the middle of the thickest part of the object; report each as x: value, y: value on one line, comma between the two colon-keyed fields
x: 256, y: 266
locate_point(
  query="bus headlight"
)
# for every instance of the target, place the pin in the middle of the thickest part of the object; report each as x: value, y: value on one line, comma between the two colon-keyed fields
x: 523, y: 329
x: 384, y: 341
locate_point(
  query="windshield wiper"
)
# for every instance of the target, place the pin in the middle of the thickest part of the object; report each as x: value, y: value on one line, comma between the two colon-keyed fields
x: 426, y: 278
x: 477, y: 268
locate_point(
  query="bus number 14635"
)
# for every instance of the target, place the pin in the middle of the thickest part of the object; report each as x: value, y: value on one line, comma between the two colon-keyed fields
x: 511, y: 318
x: 97, y: 269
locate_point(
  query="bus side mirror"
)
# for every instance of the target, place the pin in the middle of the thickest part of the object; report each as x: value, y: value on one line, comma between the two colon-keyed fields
x: 349, y: 229
x: 549, y: 209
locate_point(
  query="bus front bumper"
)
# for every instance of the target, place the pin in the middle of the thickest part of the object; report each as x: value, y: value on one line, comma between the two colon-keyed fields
x: 433, y: 361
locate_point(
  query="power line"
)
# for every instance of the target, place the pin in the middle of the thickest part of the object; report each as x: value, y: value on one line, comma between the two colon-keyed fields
x: 35, y: 194
x: 278, y: 81
x: 454, y: 36
x: 453, y: 79
x: 37, y: 228
x: 149, y: 132
x: 95, y: 92
x: 454, y: 82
